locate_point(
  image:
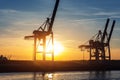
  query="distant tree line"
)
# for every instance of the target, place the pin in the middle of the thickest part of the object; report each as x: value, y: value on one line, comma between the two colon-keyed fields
x: 3, y: 58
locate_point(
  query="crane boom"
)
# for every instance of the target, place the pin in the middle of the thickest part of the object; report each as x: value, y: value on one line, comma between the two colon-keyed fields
x: 113, y: 24
x: 41, y: 31
x: 105, y: 30
x: 53, y: 16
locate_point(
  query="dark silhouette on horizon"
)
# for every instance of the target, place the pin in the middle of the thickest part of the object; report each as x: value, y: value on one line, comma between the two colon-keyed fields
x: 3, y: 59
x: 99, y: 45
x: 41, y: 34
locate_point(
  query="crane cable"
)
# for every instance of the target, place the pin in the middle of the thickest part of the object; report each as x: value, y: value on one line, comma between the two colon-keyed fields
x: 90, y: 39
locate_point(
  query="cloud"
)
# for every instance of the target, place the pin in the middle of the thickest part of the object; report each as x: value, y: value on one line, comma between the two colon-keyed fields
x: 115, y: 16
x: 27, y: 5
x: 89, y: 20
x: 7, y: 11
x: 16, y: 23
x: 106, y: 13
x: 95, y: 8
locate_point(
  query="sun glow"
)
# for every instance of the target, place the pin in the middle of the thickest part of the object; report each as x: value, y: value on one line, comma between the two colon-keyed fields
x: 58, y: 48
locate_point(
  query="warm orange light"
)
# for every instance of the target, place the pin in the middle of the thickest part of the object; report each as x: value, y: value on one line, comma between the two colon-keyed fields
x: 58, y: 48
x: 50, y: 76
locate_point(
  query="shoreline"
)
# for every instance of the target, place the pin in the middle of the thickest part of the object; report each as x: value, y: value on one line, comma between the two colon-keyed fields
x: 49, y: 66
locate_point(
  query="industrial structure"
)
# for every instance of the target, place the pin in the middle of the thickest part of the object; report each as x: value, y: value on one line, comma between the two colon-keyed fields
x: 99, y: 45
x: 43, y: 34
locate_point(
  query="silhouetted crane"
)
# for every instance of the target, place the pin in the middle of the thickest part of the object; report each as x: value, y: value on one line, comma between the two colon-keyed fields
x: 40, y: 35
x: 99, y: 45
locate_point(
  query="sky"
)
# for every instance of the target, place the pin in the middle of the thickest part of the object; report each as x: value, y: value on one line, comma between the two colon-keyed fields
x: 76, y: 22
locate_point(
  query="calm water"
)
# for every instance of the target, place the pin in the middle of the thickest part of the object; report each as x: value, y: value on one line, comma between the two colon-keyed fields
x: 85, y: 75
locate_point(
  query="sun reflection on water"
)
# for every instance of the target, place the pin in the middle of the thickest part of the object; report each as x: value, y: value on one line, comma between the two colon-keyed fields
x: 50, y: 76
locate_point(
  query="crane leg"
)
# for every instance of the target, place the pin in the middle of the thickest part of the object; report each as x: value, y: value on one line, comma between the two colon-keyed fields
x: 44, y: 48
x: 52, y: 46
x: 34, y: 54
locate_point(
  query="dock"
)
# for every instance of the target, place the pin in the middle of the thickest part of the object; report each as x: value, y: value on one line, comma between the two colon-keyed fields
x: 50, y: 66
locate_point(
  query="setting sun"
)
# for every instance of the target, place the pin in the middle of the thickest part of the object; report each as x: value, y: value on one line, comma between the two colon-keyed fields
x: 58, y: 48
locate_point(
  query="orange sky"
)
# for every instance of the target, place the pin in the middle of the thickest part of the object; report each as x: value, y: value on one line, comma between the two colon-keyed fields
x: 76, y: 22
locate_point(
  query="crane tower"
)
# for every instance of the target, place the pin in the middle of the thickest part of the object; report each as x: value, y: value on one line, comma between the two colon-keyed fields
x: 99, y: 45
x: 40, y: 35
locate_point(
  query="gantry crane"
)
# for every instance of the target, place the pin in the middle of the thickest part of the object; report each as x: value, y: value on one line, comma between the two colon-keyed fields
x: 99, y: 45
x: 40, y: 35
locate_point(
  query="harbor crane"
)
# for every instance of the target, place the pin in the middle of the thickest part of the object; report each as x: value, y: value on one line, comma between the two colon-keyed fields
x: 41, y: 35
x: 99, y: 45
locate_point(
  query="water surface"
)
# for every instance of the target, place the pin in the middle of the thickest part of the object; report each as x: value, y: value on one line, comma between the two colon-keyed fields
x: 84, y: 75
